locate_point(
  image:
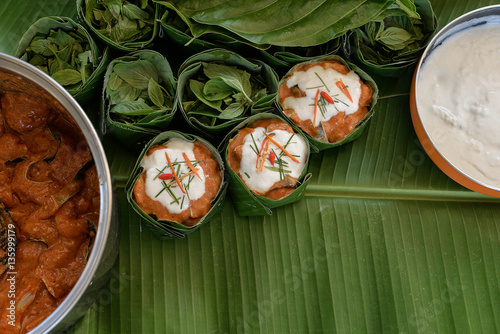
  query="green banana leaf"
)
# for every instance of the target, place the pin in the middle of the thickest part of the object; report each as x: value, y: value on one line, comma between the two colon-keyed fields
x: 185, y: 32
x: 87, y: 8
x: 246, y: 202
x: 284, y: 22
x: 282, y: 58
x: 382, y: 242
x: 87, y: 88
x: 192, y: 68
x: 317, y: 145
x: 152, y: 121
x: 166, y: 229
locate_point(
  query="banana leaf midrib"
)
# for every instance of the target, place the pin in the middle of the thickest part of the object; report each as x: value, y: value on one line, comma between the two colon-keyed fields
x: 359, y: 192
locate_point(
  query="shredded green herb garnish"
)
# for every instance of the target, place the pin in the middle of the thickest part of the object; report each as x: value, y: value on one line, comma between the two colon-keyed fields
x: 159, y: 172
x: 277, y: 169
x: 319, y: 77
x: 256, y: 148
x: 191, y: 178
x: 247, y: 175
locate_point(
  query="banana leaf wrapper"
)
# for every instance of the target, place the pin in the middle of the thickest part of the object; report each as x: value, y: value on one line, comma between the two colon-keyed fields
x: 282, y: 58
x: 245, y: 201
x: 124, y: 46
x: 99, y: 59
x: 317, y: 145
x: 196, y: 37
x: 165, y: 229
x: 149, y: 126
x: 193, y: 66
x: 390, y: 63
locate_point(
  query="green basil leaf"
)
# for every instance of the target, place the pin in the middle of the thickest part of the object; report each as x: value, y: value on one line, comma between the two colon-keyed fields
x: 43, y: 47
x: 232, y: 111
x: 409, y: 8
x: 131, y: 108
x: 67, y: 77
x: 394, y: 38
x: 155, y: 93
x: 134, y: 13
x: 63, y: 39
x: 38, y: 60
x: 197, y: 89
x: 217, y: 89
x: 125, y: 92
x: 232, y: 76
x: 136, y: 73
x: 124, y: 30
x: 114, y: 81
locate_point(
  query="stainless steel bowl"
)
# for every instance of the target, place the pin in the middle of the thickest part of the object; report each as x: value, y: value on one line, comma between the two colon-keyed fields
x: 474, y: 18
x: 105, y: 249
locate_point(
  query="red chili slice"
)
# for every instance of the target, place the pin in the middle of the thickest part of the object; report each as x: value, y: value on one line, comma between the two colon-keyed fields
x: 272, y: 157
x: 166, y: 176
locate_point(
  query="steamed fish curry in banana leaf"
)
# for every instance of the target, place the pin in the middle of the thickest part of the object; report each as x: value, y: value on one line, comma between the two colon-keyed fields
x: 326, y: 99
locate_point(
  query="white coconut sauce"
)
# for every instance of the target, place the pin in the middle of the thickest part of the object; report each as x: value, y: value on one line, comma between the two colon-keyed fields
x: 262, y: 181
x: 156, y: 163
x: 325, y: 80
x: 459, y: 101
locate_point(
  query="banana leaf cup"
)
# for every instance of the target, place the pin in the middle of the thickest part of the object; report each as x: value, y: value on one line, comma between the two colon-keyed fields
x: 321, y: 143
x: 217, y: 89
x: 282, y: 58
x: 66, y: 51
x: 123, y: 25
x: 251, y: 203
x: 168, y: 229
x: 137, y: 97
x: 393, y: 42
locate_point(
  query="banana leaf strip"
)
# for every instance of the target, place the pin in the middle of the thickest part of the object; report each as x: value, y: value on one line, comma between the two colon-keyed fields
x: 245, y: 201
x: 123, y: 25
x: 66, y: 51
x: 393, y: 42
x: 317, y: 145
x: 218, y: 88
x: 138, y: 94
x: 165, y: 229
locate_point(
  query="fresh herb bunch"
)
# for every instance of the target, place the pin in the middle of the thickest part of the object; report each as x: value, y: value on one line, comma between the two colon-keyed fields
x: 121, y: 20
x: 397, y: 36
x: 65, y: 56
x: 223, y: 92
x: 135, y: 93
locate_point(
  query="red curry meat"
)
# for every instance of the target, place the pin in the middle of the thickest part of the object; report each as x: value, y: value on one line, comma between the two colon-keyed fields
x: 50, y: 187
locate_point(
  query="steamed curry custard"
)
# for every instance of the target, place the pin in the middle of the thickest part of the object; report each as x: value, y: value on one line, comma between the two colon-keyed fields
x: 325, y: 98
x: 50, y: 191
x: 269, y: 157
x: 179, y: 181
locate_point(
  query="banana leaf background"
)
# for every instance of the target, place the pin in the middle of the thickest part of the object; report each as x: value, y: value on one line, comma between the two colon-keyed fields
x: 382, y: 242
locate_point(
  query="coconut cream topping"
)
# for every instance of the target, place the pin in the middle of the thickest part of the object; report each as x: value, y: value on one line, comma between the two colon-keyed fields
x: 264, y: 163
x: 327, y: 91
x: 168, y: 168
x: 459, y: 98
